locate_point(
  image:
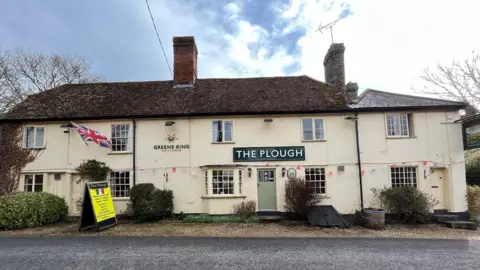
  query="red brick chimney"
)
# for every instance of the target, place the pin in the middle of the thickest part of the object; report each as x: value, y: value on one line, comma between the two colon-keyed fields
x: 184, y: 60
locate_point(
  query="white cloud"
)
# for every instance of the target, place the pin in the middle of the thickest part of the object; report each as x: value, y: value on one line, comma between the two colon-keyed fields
x: 388, y: 43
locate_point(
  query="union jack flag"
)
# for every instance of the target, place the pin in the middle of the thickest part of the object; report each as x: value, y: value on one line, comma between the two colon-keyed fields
x: 92, y: 135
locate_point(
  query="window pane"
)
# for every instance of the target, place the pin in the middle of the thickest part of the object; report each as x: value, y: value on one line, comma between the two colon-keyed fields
x: 397, y: 125
x: 29, y: 136
x: 228, y: 131
x: 222, y: 182
x: 307, y: 129
x: 39, y: 179
x: 120, y: 184
x: 307, y: 123
x: 39, y: 136
x: 217, y: 131
x: 120, y: 137
x: 315, y: 177
x: 318, y: 129
x: 29, y: 179
x: 38, y: 188
x: 404, y: 176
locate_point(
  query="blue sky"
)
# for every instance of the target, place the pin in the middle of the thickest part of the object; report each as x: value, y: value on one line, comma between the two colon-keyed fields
x: 388, y: 44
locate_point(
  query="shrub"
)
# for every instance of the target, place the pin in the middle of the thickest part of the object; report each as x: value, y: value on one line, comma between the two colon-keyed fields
x: 472, y: 166
x: 406, y: 204
x: 299, y: 197
x: 142, y: 192
x: 163, y: 200
x: 142, y: 206
x: 473, y: 199
x: 245, y: 209
x: 92, y: 170
x: 27, y: 209
x: 149, y: 203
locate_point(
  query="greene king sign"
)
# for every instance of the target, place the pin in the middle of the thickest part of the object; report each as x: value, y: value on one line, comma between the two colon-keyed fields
x: 268, y: 153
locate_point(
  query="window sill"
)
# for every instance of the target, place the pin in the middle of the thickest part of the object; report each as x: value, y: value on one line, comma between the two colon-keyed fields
x: 223, y: 142
x: 401, y: 138
x: 33, y: 148
x: 307, y: 141
x: 120, y: 198
x: 120, y: 153
x: 225, y: 197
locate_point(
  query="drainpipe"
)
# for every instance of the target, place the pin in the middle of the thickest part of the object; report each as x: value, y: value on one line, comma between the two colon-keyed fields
x: 360, y: 177
x: 359, y: 162
x: 134, y: 151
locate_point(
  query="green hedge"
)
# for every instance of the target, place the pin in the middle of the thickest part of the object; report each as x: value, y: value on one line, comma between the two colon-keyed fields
x: 27, y: 209
x: 205, y: 218
x: 149, y: 203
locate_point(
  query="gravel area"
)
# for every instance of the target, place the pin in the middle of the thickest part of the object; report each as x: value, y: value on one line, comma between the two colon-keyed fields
x: 250, y: 230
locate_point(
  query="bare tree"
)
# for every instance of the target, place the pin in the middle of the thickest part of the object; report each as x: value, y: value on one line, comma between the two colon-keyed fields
x: 12, y: 157
x: 23, y: 73
x: 459, y: 81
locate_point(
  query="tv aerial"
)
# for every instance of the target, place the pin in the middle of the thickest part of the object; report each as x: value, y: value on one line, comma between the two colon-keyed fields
x: 329, y: 26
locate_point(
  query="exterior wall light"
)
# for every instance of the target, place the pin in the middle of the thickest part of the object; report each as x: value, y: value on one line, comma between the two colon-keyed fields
x: 268, y: 120
x: 66, y: 127
x: 169, y: 123
x: 283, y: 171
x: 249, y: 172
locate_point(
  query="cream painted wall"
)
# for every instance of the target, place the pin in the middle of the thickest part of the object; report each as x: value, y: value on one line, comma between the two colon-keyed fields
x: 437, y: 140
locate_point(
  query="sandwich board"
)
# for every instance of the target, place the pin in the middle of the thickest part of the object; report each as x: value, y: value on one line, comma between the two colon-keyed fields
x: 97, y: 210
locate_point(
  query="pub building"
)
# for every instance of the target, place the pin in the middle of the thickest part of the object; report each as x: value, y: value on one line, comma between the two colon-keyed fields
x: 219, y: 142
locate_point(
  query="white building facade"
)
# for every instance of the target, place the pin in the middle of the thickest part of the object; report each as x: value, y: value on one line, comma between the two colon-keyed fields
x: 214, y: 160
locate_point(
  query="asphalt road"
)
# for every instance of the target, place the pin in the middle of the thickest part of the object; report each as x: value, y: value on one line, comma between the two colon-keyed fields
x: 235, y: 253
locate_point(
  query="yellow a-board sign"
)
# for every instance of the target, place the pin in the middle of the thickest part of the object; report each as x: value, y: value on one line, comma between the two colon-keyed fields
x: 97, y: 210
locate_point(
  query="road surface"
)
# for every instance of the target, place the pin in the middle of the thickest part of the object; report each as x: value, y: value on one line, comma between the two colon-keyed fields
x: 235, y: 253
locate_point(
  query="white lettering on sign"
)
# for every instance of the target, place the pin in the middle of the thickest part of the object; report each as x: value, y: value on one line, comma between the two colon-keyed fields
x: 298, y: 152
x: 262, y: 153
x: 291, y: 153
x: 274, y: 153
x: 238, y: 152
x: 246, y: 154
x: 254, y: 154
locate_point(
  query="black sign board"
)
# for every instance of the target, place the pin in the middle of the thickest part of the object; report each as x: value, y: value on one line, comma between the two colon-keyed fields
x: 97, y: 210
x: 280, y: 153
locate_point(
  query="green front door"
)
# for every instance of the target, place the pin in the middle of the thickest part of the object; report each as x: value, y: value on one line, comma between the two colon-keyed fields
x: 267, y: 190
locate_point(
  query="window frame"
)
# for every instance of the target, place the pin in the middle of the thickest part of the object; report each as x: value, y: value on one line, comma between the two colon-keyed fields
x: 223, y: 131
x: 34, y: 137
x: 322, y: 173
x: 113, y: 186
x: 238, y: 183
x: 129, y: 136
x: 314, y: 127
x: 415, y: 181
x: 34, y: 182
x: 408, y: 119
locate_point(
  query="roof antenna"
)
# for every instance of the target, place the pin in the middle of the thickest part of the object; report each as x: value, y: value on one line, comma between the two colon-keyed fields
x: 330, y: 26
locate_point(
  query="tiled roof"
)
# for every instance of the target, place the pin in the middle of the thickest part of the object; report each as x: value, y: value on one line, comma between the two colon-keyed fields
x: 379, y: 99
x: 159, y: 98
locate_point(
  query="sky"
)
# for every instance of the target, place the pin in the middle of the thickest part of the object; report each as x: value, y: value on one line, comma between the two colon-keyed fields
x: 388, y: 43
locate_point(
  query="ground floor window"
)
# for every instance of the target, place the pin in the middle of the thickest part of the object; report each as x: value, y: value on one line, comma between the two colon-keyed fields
x: 316, y: 178
x: 403, y: 176
x: 220, y: 182
x: 33, y: 183
x: 120, y: 184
